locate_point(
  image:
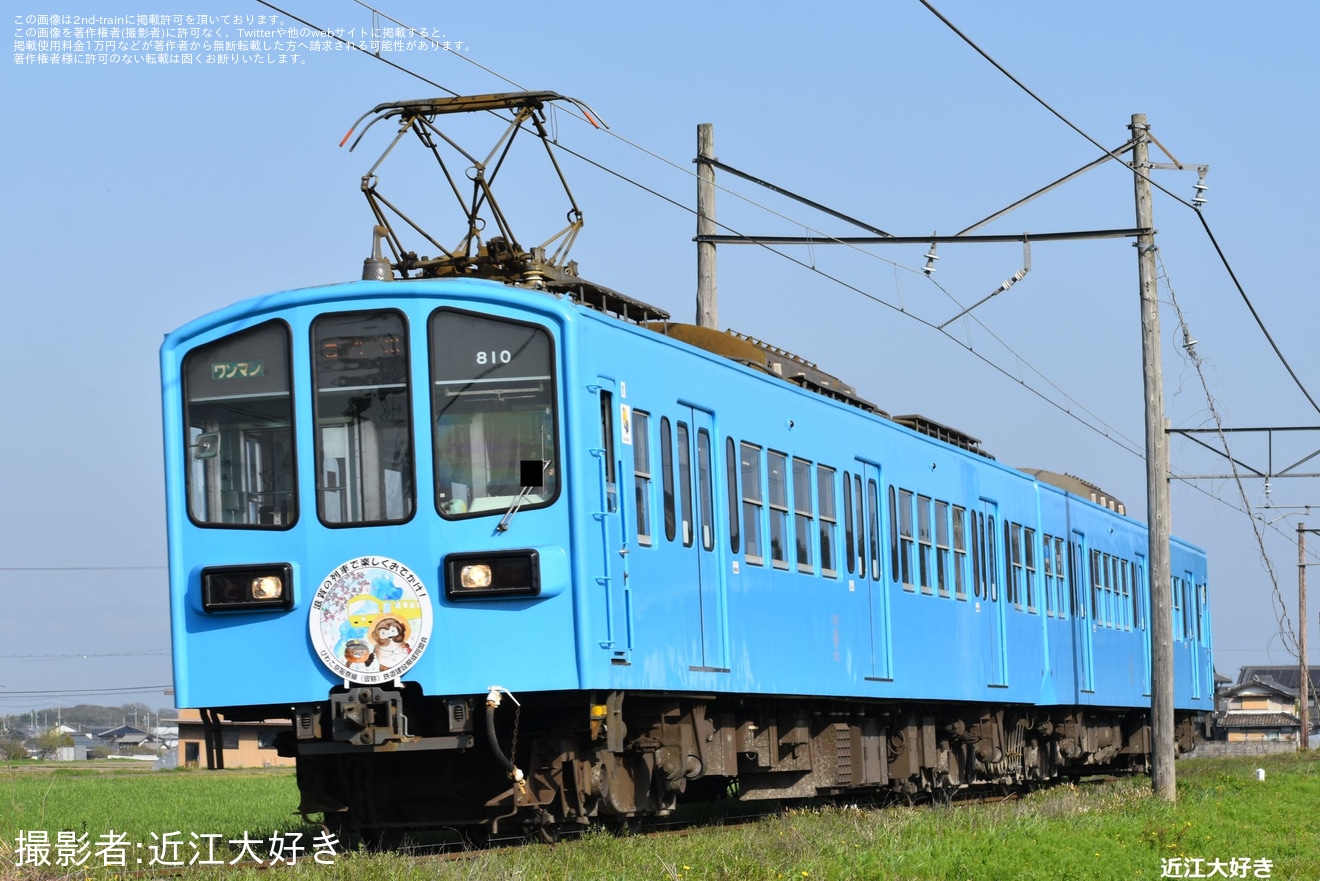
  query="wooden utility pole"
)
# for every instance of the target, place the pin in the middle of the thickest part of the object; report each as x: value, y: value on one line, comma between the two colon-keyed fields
x: 707, y: 303
x: 1304, y: 680
x: 1163, y: 777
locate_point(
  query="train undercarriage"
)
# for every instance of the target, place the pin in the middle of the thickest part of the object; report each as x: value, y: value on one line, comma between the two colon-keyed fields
x: 380, y: 762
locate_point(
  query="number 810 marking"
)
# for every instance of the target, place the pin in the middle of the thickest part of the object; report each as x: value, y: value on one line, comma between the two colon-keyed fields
x: 503, y: 356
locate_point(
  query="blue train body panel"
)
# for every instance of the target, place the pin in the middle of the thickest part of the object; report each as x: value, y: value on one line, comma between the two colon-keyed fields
x: 698, y: 527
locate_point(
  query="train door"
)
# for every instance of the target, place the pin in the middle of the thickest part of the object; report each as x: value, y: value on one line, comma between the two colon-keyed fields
x: 1191, y: 621
x: 991, y: 601
x: 695, y: 451
x: 612, y: 567
x: 1080, y: 572
x: 866, y: 501
x: 1141, y: 617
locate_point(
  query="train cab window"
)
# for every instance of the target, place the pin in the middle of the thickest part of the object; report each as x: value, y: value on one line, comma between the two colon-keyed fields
x: 239, y: 411
x: 641, y: 444
x: 925, y: 544
x: 750, y: 460
x: 495, y: 412
x: 777, y: 478
x: 959, y: 553
x: 731, y: 475
x: 942, y: 548
x: 364, y: 454
x: 829, y: 519
x: 802, y: 519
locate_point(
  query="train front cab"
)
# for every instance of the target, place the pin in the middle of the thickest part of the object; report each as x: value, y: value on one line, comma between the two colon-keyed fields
x: 336, y: 459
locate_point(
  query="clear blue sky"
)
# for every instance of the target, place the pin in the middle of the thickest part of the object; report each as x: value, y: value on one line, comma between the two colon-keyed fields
x: 143, y: 195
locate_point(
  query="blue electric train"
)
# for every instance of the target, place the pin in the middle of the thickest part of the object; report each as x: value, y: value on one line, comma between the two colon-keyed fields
x: 521, y: 556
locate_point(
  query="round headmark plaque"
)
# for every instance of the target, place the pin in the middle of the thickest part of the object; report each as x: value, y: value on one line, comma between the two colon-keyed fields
x: 370, y: 620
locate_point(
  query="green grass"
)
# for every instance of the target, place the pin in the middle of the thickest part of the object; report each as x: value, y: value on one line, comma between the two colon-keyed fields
x: 1101, y: 831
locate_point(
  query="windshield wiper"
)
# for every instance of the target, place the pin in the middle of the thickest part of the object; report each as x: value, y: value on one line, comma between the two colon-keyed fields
x: 531, y: 471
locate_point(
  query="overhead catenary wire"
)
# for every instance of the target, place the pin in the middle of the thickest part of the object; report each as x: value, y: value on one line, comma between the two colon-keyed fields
x: 1106, y: 431
x: 1223, y: 258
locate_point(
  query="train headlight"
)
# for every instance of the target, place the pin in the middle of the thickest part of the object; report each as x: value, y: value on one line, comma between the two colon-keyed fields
x: 497, y: 574
x: 247, y: 588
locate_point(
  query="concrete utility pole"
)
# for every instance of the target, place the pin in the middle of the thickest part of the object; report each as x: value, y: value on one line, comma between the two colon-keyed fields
x: 707, y: 301
x: 1163, y: 777
x: 1304, y: 680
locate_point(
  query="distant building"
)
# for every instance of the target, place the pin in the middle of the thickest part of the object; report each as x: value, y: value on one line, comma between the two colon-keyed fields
x: 1256, y: 710
x: 245, y: 744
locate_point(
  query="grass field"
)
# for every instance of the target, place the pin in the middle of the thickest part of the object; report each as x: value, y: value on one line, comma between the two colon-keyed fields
x: 1226, y: 823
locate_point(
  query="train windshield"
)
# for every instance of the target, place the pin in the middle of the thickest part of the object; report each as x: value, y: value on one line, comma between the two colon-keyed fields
x: 493, y: 402
x: 239, y: 412
x: 364, y: 452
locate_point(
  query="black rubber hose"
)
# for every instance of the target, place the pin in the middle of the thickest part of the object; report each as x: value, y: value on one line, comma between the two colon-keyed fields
x: 494, y: 742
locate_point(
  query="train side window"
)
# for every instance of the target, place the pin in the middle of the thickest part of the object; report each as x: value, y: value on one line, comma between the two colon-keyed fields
x: 959, y: 553
x: 893, y: 532
x: 1188, y: 606
x: 777, y: 476
x: 1097, y: 607
x: 752, y: 504
x: 1029, y: 566
x: 239, y: 428
x: 684, y: 484
x: 364, y: 447
x: 991, y: 564
x: 705, y: 490
x: 1047, y: 572
x: 802, y: 519
x: 829, y: 519
x: 848, y: 558
x: 925, y: 545
x: 607, y: 447
x: 873, y: 526
x: 860, y: 506
x: 942, y: 548
x: 731, y: 473
x: 906, y: 540
x: 978, y: 559
x: 1013, y: 563
x: 1061, y: 579
x: 1201, y: 604
x: 1125, y: 595
x: 1177, y: 606
x: 494, y: 406
x: 641, y: 444
x: 667, y: 477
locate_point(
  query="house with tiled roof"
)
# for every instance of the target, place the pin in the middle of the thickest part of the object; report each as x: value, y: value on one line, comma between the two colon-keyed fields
x: 1259, y: 709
